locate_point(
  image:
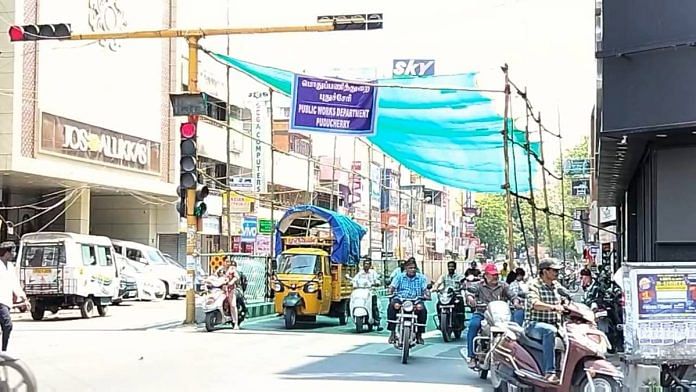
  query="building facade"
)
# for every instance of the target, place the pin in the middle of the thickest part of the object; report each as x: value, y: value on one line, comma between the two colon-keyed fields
x: 89, y: 121
x: 646, y: 127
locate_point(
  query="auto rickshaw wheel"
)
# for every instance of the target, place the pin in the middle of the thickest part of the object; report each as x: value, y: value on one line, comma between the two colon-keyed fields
x: 290, y: 316
x: 37, y: 312
x: 343, y: 313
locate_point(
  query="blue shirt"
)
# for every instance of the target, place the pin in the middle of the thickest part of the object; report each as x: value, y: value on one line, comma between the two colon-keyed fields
x: 409, y: 288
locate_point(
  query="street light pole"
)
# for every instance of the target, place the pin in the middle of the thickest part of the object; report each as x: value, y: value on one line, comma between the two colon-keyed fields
x: 192, y: 238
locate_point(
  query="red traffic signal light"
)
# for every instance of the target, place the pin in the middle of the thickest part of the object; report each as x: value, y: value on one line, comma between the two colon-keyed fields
x: 188, y: 130
x: 40, y: 32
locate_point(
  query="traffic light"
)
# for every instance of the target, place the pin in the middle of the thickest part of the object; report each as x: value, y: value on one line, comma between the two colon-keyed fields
x: 200, y: 207
x: 188, y: 161
x: 181, y: 204
x: 40, y: 32
x: 353, y: 21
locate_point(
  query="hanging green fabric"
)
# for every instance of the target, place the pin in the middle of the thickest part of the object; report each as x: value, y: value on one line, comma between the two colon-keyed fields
x: 449, y: 136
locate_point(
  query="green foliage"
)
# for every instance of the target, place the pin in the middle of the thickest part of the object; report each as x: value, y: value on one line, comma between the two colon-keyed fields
x: 491, y: 226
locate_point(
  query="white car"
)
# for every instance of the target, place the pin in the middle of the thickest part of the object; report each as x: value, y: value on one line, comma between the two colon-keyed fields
x: 152, y: 261
x: 149, y: 286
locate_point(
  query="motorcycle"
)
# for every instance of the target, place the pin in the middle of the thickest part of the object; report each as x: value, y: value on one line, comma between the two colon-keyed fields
x: 580, y: 356
x: 406, y: 326
x: 217, y: 308
x: 606, y: 300
x: 361, y: 305
x: 495, y: 322
x: 448, y: 321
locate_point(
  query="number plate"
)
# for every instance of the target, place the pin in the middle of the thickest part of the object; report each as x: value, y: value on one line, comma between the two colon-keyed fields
x: 41, y: 270
x: 601, y: 313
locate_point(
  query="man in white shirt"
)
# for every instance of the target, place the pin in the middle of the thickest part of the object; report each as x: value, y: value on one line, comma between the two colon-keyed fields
x: 9, y: 286
x: 370, y: 275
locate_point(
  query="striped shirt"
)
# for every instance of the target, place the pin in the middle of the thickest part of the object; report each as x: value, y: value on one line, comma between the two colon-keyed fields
x: 406, y: 287
x: 544, y: 293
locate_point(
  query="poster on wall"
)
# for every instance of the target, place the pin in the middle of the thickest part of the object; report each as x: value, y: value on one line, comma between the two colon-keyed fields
x: 661, y: 325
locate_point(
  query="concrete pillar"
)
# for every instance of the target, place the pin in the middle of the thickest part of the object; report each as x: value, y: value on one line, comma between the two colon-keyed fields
x: 77, y: 215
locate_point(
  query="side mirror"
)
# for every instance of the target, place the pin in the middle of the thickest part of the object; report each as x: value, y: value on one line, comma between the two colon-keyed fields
x: 348, y: 277
x: 143, y: 260
x: 429, y: 286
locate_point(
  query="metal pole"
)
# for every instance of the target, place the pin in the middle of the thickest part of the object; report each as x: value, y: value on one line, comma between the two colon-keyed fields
x: 333, y: 176
x: 229, y: 140
x: 200, y: 33
x: 270, y: 103
x: 546, y: 194
x: 563, y: 209
x: 401, y: 251
x: 309, y: 177
x: 369, y: 200
x: 528, y: 148
x: 506, y: 186
x: 192, y: 240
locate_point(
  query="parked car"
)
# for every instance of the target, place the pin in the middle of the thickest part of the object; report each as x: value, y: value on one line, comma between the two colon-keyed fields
x: 128, y: 288
x: 148, y: 287
x: 200, y: 274
x: 152, y: 260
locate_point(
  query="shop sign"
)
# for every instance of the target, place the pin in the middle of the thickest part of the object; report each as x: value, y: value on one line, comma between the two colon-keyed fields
x: 83, y: 141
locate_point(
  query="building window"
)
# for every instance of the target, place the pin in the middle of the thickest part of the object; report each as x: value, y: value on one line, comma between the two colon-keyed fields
x: 300, y: 145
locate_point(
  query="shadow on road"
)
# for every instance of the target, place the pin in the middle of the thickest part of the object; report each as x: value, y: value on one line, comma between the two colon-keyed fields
x: 358, y: 367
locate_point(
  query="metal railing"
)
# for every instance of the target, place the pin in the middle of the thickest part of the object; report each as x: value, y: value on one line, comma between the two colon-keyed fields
x: 255, y: 268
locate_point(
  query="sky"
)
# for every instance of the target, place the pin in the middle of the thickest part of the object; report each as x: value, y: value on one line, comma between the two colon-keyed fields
x: 548, y: 45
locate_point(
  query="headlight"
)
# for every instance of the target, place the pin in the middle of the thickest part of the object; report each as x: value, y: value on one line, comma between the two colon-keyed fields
x: 277, y: 287
x: 445, y: 299
x: 311, y: 287
x: 407, y: 306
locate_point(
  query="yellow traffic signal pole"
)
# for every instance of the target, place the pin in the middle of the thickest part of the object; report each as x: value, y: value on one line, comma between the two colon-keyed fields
x: 192, y: 38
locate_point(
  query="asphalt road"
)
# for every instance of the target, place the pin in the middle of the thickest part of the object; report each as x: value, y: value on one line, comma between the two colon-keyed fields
x: 140, y: 347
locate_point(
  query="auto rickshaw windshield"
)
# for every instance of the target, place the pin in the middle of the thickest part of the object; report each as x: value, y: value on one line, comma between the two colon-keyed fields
x: 299, y: 264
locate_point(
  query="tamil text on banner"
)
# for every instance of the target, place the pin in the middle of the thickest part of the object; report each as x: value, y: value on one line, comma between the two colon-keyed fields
x: 333, y: 106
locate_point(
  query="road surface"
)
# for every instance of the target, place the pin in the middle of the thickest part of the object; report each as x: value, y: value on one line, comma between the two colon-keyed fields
x: 141, y: 347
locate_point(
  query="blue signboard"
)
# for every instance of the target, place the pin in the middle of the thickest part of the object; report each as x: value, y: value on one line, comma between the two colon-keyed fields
x: 331, y: 106
x: 249, y: 229
x: 413, y: 67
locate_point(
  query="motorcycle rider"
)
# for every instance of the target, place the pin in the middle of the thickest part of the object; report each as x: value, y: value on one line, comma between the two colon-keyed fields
x: 411, y: 284
x: 472, y: 270
x: 490, y: 289
x: 543, y: 314
x: 398, y: 270
x: 520, y: 288
x: 370, y: 275
x: 454, y: 280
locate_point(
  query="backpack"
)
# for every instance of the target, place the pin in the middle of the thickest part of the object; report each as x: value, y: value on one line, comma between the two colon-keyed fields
x: 243, y: 281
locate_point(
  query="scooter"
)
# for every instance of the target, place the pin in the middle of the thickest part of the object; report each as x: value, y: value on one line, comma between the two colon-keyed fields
x: 580, y: 356
x: 493, y: 327
x: 361, y: 305
x: 216, y: 307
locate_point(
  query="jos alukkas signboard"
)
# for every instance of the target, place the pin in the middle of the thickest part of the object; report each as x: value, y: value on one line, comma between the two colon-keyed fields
x: 67, y: 137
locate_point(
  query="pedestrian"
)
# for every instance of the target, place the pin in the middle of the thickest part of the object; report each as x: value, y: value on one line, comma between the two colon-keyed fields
x: 9, y: 286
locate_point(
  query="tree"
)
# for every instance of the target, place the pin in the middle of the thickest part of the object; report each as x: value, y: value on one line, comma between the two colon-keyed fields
x: 491, y: 226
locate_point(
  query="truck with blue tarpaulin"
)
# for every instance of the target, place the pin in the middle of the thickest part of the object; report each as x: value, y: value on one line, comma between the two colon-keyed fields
x: 316, y: 248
